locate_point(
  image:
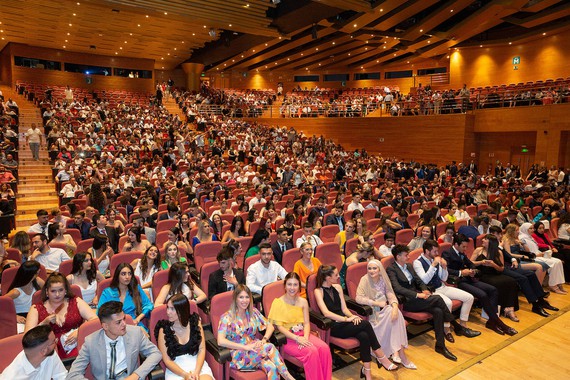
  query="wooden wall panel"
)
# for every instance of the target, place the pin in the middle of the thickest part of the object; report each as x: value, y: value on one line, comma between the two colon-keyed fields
x: 426, y: 139
x: 177, y: 75
x: 500, y: 146
x: 5, y: 67
x: 564, y: 157
x: 544, y: 58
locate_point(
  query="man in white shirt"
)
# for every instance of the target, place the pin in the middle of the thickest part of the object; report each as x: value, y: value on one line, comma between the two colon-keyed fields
x: 257, y: 199
x: 41, y: 227
x: 386, y: 248
x: 264, y: 271
x: 34, y: 139
x: 355, y: 204
x: 38, y: 360
x: 68, y: 191
x: 308, y: 236
x: 431, y: 268
x: 49, y: 257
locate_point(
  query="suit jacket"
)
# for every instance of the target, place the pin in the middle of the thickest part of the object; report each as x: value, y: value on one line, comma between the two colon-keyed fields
x: 331, y: 219
x: 277, y: 255
x: 405, y: 290
x: 217, y: 284
x: 84, y: 229
x: 112, y: 235
x: 456, y: 262
x: 93, y: 353
x: 164, y: 217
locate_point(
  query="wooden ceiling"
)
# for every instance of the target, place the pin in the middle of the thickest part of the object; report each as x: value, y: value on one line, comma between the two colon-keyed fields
x: 262, y: 35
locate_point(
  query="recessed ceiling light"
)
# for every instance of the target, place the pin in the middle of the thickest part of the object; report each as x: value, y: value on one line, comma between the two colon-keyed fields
x: 70, y: 24
x: 377, y: 61
x: 421, y: 30
x: 69, y: 34
x: 429, y: 42
x: 544, y: 34
x: 64, y: 46
x: 451, y: 11
x: 317, y: 49
x: 130, y: 34
x: 74, y: 14
x: 163, y: 67
x: 161, y: 57
x: 355, y: 25
x: 480, y: 45
x: 334, y: 43
x: 165, y: 13
x: 116, y: 52
x: 65, y: 40
x: 510, y: 43
x: 120, y: 48
x: 147, y: 16
x: 230, y: 25
x: 78, y: 3
x: 174, y: 48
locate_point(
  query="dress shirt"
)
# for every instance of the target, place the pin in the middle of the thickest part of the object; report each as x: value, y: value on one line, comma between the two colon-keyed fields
x: 258, y: 275
x: 426, y: 276
x: 39, y: 229
x: 21, y: 369
x: 52, y: 258
x: 313, y: 239
x: 406, y: 272
x: 121, y: 358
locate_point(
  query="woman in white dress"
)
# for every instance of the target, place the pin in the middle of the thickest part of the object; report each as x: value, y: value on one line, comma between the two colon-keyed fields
x: 25, y: 284
x: 146, y: 267
x: 387, y: 321
x: 84, y: 274
x: 181, y: 341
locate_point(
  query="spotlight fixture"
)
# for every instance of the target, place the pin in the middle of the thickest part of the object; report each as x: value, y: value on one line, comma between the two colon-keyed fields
x: 275, y: 2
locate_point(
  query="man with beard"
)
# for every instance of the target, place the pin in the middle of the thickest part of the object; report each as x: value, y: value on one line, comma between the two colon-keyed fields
x: 37, y: 360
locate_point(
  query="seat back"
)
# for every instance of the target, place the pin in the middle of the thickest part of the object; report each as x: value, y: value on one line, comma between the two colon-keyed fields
x: 14, y: 254
x: 250, y: 260
x: 219, y: 304
x: 373, y: 224
x: 10, y: 347
x: 8, y: 321
x: 206, y: 252
x: 65, y: 267
x: 164, y: 225
x: 269, y: 293
x: 350, y: 246
x: 289, y: 259
x: 159, y: 279
x: 404, y: 236
x: 161, y: 238
x: 328, y: 233
x: 123, y: 257
x: 353, y: 275
x: 84, y: 245
x: 415, y: 254
x: 205, y: 272
x: 329, y: 254
x: 102, y: 285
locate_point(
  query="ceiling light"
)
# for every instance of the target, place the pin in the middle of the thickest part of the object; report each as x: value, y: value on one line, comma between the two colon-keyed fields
x: 361, y: 67
x: 70, y: 24
x: 161, y: 57
x: 174, y: 48
x: 165, y: 13
x: 348, y: 53
x: 421, y: 30
x: 147, y: 16
x: 116, y: 52
x: 130, y: 34
x: 265, y: 44
x: 355, y: 25
x: 334, y: 43
x: 448, y: 57
x: 78, y: 3
x: 510, y: 43
x: 74, y: 14
x: 163, y: 67
x: 384, y: 47
x: 317, y: 49
x: 69, y: 34
x: 429, y: 42
x: 451, y: 11
x: 65, y: 40
x: 120, y: 48
x: 139, y: 25
x: 64, y: 46
x: 480, y: 45
x: 544, y: 34
x: 377, y: 61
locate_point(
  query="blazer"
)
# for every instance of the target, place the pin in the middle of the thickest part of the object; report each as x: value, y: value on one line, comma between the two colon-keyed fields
x: 217, y: 284
x: 405, y: 290
x: 277, y: 255
x: 112, y: 235
x: 93, y: 353
x: 456, y: 262
x: 84, y: 229
x: 331, y: 219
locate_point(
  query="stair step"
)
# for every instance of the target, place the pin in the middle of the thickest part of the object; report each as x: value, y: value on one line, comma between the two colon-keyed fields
x: 34, y: 207
x: 45, y: 197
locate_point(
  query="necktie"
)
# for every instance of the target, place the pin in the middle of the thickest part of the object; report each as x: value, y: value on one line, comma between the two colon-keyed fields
x: 282, y: 248
x: 44, y: 230
x: 113, y: 360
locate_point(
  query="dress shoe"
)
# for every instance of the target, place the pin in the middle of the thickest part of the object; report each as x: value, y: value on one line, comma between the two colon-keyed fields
x: 446, y: 353
x: 508, y: 330
x: 540, y: 311
x: 467, y: 332
x: 494, y: 327
x: 548, y: 306
x: 449, y: 337
x: 546, y: 294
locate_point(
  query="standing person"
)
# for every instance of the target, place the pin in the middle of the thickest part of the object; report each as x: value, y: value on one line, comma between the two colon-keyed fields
x: 387, y: 321
x: 34, y: 139
x: 237, y: 331
x: 118, y: 340
x: 332, y: 305
x: 290, y: 313
x: 181, y: 342
x: 37, y: 361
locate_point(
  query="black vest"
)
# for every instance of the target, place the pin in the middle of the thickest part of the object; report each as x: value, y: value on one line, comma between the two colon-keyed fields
x: 435, y: 281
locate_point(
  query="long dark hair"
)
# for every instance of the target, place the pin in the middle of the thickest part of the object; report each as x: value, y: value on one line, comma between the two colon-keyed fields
x: 182, y: 307
x: 96, y: 197
x: 25, y: 274
x: 493, y: 249
x: 323, y: 272
x: 176, y: 275
x: 258, y: 237
x: 241, y: 231
x: 144, y: 262
x: 77, y: 267
x: 56, y: 278
x: 132, y: 287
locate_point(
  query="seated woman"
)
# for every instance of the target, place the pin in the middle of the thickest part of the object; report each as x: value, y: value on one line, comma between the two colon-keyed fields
x: 306, y: 266
x: 22, y: 242
x: 290, y: 313
x: 330, y: 301
x: 171, y: 255
x: 424, y: 234
x: 347, y: 234
x: 115, y: 219
x: 25, y: 284
x: 84, y: 274
x: 217, y: 225
x: 175, y: 236
x: 237, y: 331
x: 252, y: 216
x: 363, y: 253
x: 450, y: 216
x: 236, y: 230
x: 375, y: 290
x: 146, y: 267
x: 62, y: 311
x: 204, y: 235
x: 56, y: 233
x: 179, y: 282
x: 101, y: 252
x: 181, y: 342
x: 545, y: 245
x: 184, y: 226
x: 316, y: 220
x: 125, y: 288
x: 260, y: 236
x: 447, y: 237
x: 556, y: 269
x: 564, y: 229
x: 368, y: 237
x: 515, y: 248
x: 135, y: 242
x: 360, y: 226
x: 490, y: 262
x: 545, y: 215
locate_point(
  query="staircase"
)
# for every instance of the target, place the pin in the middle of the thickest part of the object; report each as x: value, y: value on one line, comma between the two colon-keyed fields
x: 36, y: 188
x: 173, y: 108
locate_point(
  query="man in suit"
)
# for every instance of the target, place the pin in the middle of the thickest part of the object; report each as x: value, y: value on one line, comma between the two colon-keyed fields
x: 113, y: 351
x: 462, y: 271
x: 415, y: 297
x: 171, y: 212
x: 281, y: 245
x: 338, y: 217
x: 101, y: 228
x: 83, y: 226
x: 147, y: 218
x: 321, y: 207
x: 227, y: 277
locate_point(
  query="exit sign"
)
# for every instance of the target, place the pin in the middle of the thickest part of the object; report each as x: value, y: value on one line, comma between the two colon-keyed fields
x: 524, y: 150
x: 516, y: 60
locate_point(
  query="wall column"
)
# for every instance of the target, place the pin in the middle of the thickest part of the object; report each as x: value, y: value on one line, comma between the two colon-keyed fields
x: 193, y: 72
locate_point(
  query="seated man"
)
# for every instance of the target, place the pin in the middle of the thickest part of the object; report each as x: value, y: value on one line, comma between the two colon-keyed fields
x: 37, y: 360
x: 338, y: 217
x: 415, y: 297
x: 149, y: 232
x: 80, y: 224
x: 227, y: 277
x: 6, y: 175
x: 432, y: 270
x: 264, y: 271
x: 472, y: 230
x: 123, y: 344
x: 386, y: 248
x: 49, y: 257
x: 308, y: 236
x: 102, y: 228
x: 462, y: 271
x: 41, y: 227
x: 281, y: 245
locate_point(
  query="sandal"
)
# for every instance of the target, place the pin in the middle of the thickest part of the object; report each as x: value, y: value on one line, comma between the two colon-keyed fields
x: 511, y: 315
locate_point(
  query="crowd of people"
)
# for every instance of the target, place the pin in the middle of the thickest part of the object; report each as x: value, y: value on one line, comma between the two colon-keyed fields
x: 139, y: 183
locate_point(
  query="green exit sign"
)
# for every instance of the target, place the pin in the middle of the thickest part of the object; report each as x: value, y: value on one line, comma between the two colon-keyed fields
x: 516, y: 60
x: 524, y: 150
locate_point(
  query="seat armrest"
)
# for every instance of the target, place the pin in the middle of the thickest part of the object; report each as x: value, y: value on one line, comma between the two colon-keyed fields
x: 156, y: 374
x: 256, y: 299
x: 204, y: 306
x: 194, y: 274
x: 357, y: 308
x: 320, y: 320
x: 278, y: 338
x: 220, y: 354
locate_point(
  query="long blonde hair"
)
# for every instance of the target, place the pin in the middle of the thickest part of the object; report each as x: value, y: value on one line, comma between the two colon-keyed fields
x: 233, y: 307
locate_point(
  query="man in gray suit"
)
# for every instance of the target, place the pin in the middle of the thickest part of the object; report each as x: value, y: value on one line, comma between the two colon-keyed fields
x: 113, y: 352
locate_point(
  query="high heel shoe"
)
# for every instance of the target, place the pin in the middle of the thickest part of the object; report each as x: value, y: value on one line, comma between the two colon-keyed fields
x: 397, y: 359
x: 511, y: 315
x: 391, y: 367
x: 362, y: 375
x: 409, y: 365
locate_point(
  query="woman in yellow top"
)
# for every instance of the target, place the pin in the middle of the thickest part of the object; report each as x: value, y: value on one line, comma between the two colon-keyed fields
x: 345, y: 235
x: 306, y: 266
x: 290, y: 313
